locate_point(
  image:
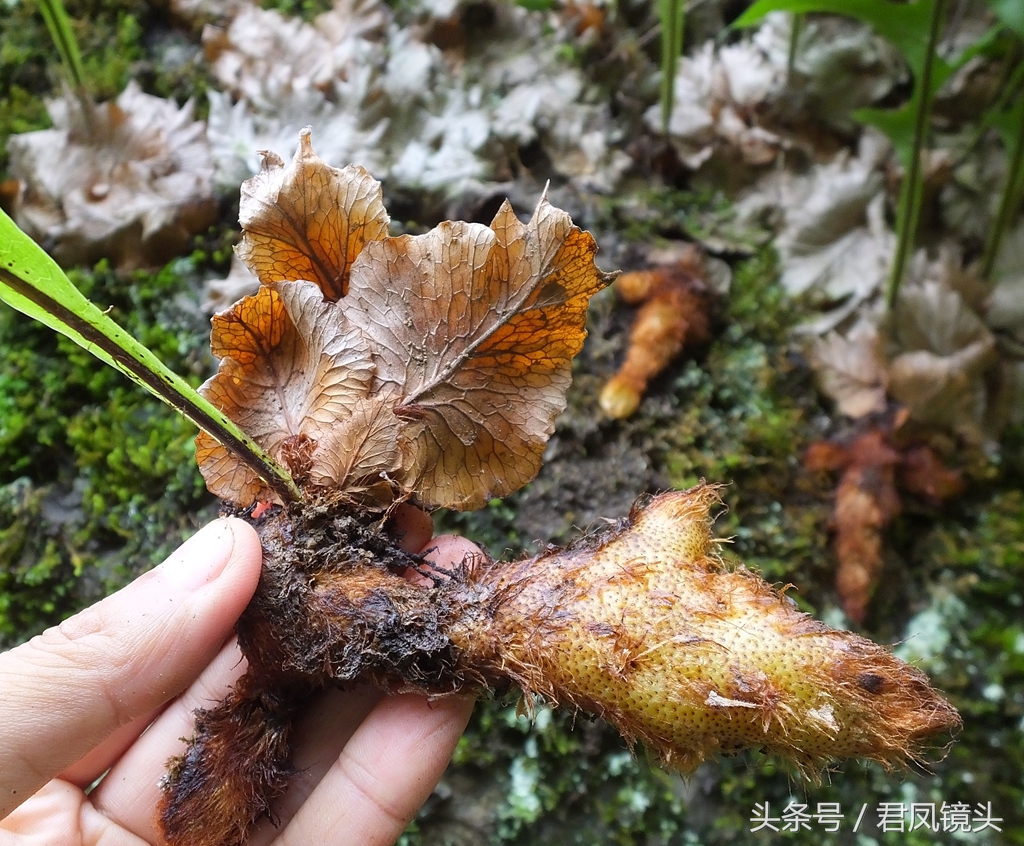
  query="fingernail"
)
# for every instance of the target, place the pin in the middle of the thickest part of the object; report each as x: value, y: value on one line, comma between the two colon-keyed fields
x: 202, y: 558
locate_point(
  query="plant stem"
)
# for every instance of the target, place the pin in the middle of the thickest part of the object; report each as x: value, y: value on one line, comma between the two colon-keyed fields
x: 909, y: 209
x: 59, y: 26
x: 165, y: 386
x: 796, y: 29
x: 1007, y: 91
x: 1009, y: 202
x: 672, y: 14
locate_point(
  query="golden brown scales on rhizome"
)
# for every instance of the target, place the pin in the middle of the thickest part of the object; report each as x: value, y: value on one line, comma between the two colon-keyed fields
x: 430, y: 369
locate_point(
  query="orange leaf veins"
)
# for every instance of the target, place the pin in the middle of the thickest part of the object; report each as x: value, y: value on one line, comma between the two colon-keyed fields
x: 309, y: 220
x: 289, y: 370
x: 473, y: 330
x: 441, y: 372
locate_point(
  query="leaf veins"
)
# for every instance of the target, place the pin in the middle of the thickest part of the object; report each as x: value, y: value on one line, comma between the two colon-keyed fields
x: 442, y: 370
x: 473, y: 330
x: 290, y: 369
x: 309, y: 220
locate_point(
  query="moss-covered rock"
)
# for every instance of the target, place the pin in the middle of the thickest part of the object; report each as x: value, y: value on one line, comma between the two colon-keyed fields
x: 39, y: 571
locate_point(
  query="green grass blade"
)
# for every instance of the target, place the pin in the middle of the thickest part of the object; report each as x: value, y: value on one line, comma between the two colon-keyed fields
x: 1011, y: 13
x: 926, y: 83
x: 1011, y: 127
x: 796, y: 28
x: 33, y: 283
x: 672, y: 14
x: 59, y: 25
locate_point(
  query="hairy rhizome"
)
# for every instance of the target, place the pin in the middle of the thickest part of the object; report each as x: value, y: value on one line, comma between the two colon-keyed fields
x: 430, y: 369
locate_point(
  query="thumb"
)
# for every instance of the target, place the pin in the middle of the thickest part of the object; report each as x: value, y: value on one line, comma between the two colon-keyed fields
x: 65, y: 691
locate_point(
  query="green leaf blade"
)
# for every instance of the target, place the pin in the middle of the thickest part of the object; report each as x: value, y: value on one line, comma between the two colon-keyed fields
x: 905, y: 25
x: 33, y: 283
x: 1011, y: 13
x: 671, y: 15
x: 59, y: 25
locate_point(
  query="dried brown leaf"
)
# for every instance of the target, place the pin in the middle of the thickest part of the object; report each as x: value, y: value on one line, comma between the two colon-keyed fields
x: 850, y: 369
x: 1005, y: 307
x: 360, y: 451
x: 309, y: 220
x: 291, y: 366
x: 129, y: 180
x: 441, y: 372
x: 472, y: 331
x: 941, y: 351
x: 932, y: 316
x: 717, y: 94
x: 825, y: 456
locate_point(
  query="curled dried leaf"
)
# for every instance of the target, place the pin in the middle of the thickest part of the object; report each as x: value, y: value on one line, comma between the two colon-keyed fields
x: 130, y: 180
x: 940, y: 353
x: 309, y: 220
x: 291, y: 367
x: 360, y: 453
x: 443, y: 369
x: 717, y: 93
x: 835, y: 246
x: 850, y: 369
x: 472, y: 331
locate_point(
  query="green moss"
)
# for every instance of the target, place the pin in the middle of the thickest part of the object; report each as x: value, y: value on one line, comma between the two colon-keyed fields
x: 969, y: 636
x: 110, y: 40
x: 20, y: 111
x: 555, y: 780
x: 305, y: 9
x: 26, y: 54
x: 659, y: 212
x: 38, y: 573
x: 137, y: 463
x: 117, y: 464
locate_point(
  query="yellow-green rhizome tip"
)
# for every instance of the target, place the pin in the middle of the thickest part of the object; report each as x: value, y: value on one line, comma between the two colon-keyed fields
x: 648, y: 629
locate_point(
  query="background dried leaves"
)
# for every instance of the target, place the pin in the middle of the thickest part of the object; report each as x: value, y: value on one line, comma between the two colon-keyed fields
x: 131, y: 180
x: 433, y: 363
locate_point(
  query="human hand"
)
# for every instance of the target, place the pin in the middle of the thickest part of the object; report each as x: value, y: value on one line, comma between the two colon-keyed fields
x: 76, y: 702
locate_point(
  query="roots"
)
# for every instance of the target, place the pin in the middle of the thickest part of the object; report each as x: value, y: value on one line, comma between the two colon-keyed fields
x: 238, y: 762
x: 330, y: 608
x: 642, y: 626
